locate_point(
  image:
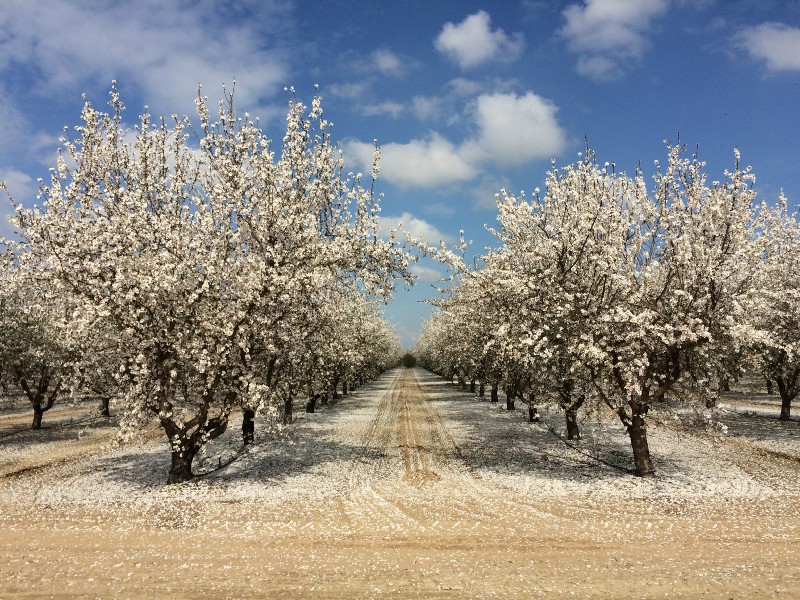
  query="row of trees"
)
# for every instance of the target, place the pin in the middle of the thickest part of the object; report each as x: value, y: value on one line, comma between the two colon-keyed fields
x: 604, y: 291
x: 190, y: 268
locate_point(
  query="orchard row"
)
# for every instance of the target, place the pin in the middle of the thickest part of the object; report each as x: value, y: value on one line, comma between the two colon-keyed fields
x: 188, y: 268
x: 604, y: 290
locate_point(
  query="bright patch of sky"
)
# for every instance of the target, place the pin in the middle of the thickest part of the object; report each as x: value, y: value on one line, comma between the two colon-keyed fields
x: 464, y: 97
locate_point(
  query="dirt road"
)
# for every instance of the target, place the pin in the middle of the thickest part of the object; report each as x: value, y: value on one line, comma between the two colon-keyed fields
x: 400, y: 491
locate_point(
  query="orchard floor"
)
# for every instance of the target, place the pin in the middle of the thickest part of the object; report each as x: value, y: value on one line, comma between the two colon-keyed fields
x: 407, y: 488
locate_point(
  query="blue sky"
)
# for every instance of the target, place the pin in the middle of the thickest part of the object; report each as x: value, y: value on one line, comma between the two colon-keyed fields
x: 464, y: 97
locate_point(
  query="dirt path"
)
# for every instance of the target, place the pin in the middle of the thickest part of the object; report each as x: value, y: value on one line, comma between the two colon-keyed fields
x: 394, y: 501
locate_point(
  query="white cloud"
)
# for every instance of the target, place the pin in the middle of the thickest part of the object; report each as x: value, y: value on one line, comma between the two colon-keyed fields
x: 162, y: 48
x: 464, y: 88
x: 348, y: 91
x: 514, y: 130
x: 775, y: 43
x: 609, y: 33
x: 20, y: 186
x: 426, y: 108
x: 510, y: 130
x: 392, y: 109
x: 421, y: 162
x: 427, y: 274
x: 417, y: 228
x: 15, y: 127
x: 388, y: 63
x: 473, y: 42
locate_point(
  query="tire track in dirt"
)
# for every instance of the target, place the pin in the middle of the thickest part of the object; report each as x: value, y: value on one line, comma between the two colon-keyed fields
x: 776, y: 470
x: 373, y: 456
x: 410, y: 474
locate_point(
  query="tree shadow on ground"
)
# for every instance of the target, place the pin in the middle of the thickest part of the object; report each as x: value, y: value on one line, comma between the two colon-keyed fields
x: 503, y: 441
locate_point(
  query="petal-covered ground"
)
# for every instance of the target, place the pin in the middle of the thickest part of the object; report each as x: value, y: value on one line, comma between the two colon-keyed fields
x: 407, y: 488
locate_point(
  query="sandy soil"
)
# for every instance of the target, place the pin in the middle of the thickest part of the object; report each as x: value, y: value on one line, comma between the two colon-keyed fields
x: 409, y: 488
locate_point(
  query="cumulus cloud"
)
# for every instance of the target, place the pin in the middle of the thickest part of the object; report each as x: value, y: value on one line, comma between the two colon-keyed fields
x: 608, y: 34
x: 162, y: 48
x: 15, y: 127
x: 514, y: 130
x: 348, y: 91
x: 421, y: 162
x: 777, y: 44
x: 391, y: 109
x: 427, y: 108
x: 20, y: 186
x: 510, y: 130
x: 388, y: 63
x: 416, y: 227
x: 473, y: 42
x: 427, y: 274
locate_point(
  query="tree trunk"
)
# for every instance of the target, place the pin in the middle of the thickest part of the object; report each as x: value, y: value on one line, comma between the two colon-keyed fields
x: 786, y: 408
x: 248, y: 426
x: 533, y: 413
x: 181, y: 468
x: 324, y: 399
x: 37, y: 418
x: 287, y: 411
x: 571, y: 408
x: 462, y: 383
x: 481, y: 390
x: 344, y: 388
x: 311, y: 405
x: 724, y: 384
x: 637, y: 431
x: 509, y: 401
x: 104, y: 410
x: 786, y: 397
x: 769, y: 386
x: 472, y: 386
x: 573, y: 431
x: 493, y: 395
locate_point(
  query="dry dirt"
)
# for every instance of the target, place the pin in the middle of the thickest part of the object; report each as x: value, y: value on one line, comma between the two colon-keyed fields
x: 402, y: 502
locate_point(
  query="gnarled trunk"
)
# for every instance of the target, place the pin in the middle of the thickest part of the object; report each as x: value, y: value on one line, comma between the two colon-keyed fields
x: 481, y: 390
x: 38, y: 413
x: 181, y: 468
x: 187, y: 439
x: 571, y: 408
x: 248, y: 426
x: 637, y: 432
x: 573, y: 430
x: 41, y: 396
x: 785, y: 390
x: 509, y: 401
x: 786, y: 409
x: 533, y: 413
x: 104, y: 410
x: 472, y: 386
x: 287, y: 410
x: 311, y: 405
x: 493, y: 394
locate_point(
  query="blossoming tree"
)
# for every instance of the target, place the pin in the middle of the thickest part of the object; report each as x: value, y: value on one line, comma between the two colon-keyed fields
x: 204, y: 249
